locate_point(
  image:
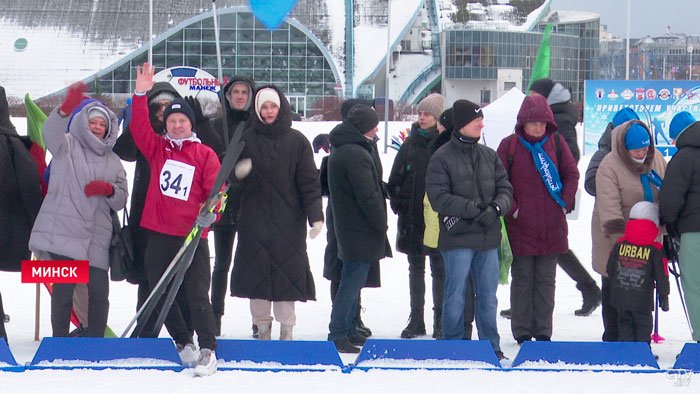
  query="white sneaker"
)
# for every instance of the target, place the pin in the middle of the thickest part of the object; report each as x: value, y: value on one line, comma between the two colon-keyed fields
x: 188, y: 354
x: 206, y: 365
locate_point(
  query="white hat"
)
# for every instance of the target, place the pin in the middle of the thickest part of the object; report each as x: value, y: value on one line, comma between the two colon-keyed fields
x: 645, y: 210
x: 263, y: 96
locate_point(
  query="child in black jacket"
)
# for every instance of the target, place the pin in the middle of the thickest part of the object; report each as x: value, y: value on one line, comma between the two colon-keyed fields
x: 636, y: 262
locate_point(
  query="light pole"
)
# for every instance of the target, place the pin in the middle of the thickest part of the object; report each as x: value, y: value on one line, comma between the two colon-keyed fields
x: 690, y: 68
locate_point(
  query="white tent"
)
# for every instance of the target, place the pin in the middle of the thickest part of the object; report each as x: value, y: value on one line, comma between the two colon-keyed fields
x: 500, y: 117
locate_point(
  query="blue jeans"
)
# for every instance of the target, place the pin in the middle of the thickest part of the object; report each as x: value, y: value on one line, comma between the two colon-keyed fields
x: 344, y: 312
x: 483, y: 266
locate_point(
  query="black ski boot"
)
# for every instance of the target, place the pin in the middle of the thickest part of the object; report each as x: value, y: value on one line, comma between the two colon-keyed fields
x: 416, y: 326
x: 591, y: 300
x: 361, y: 328
x: 437, y: 323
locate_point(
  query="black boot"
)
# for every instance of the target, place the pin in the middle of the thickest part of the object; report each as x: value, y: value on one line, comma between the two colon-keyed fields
x: 416, y: 325
x: 591, y: 301
x: 255, y: 331
x: 506, y: 313
x: 437, y: 323
x: 361, y: 328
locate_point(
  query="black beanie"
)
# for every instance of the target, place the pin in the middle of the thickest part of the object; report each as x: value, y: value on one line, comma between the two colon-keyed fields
x: 348, y: 104
x: 446, y: 120
x: 179, y: 106
x: 542, y: 86
x: 463, y: 112
x: 363, y: 118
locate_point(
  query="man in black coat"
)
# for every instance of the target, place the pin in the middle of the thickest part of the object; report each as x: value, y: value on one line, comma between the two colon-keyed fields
x: 238, y: 94
x: 559, y: 100
x: 20, y: 196
x: 680, y: 208
x: 359, y: 209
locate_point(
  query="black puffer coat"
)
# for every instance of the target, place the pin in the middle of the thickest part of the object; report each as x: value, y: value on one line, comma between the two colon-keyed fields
x: 604, y: 147
x: 565, y: 117
x: 229, y: 219
x: 357, y: 196
x: 460, y: 176
x: 407, y: 189
x: 20, y: 192
x: 279, y: 197
x: 680, y: 195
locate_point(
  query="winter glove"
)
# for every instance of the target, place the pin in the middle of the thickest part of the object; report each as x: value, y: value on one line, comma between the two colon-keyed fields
x: 316, y: 228
x: 205, y: 219
x: 197, y: 108
x: 99, y: 188
x: 74, y: 97
x: 487, y: 216
x: 663, y: 303
x: 242, y: 168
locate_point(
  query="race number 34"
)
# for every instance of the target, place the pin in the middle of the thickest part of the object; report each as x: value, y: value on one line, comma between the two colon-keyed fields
x: 176, y: 179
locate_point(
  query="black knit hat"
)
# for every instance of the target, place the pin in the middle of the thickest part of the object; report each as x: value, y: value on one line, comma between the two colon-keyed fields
x: 348, y: 104
x: 178, y: 106
x: 463, y: 112
x: 542, y: 86
x: 363, y: 118
x: 446, y: 120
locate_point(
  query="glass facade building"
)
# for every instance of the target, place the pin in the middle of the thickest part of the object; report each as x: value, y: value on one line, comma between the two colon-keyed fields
x: 290, y: 57
x: 479, y: 54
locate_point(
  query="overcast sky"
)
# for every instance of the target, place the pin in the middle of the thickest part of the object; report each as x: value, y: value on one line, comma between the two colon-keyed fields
x: 649, y: 17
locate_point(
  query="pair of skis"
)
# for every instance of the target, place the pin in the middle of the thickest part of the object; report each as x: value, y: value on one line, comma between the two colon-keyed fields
x: 174, y: 274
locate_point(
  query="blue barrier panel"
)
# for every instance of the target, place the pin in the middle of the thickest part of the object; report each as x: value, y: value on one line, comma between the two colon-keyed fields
x: 7, y: 360
x: 426, y: 354
x: 596, y: 356
x: 103, y: 353
x: 277, y: 355
x: 689, y: 358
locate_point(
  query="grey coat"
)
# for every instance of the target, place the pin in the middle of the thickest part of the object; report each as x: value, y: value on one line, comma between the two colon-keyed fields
x: 70, y: 223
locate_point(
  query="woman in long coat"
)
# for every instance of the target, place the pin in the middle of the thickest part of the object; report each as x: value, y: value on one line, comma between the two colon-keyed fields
x: 619, y: 185
x: 279, y: 196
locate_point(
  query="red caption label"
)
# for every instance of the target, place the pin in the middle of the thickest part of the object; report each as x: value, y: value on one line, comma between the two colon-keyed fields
x: 55, y: 271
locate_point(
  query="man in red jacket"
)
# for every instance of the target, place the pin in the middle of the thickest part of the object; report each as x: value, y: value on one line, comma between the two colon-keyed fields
x: 183, y: 171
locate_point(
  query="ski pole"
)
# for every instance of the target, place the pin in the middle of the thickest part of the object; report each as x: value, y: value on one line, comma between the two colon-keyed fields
x: 655, y: 336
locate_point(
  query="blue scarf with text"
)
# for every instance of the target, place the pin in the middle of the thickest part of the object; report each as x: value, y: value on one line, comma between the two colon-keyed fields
x: 649, y: 179
x: 548, y: 171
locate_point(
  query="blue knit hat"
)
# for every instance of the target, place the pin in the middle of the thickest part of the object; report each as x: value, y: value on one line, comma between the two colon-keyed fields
x: 623, y: 116
x: 637, y: 137
x: 679, y: 123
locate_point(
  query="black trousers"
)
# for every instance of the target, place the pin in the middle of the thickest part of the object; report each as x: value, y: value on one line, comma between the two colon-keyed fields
x: 160, y: 251
x: 572, y: 266
x: 98, y: 304
x: 3, y: 333
x: 635, y: 326
x: 223, y: 249
x: 611, y: 330
x: 532, y: 295
x: 416, y: 280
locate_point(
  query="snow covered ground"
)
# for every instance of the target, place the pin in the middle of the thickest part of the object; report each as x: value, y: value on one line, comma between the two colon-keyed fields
x: 386, y: 310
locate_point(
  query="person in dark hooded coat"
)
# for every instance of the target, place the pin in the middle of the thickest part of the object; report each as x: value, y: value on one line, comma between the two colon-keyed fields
x: 238, y: 94
x: 20, y: 197
x: 280, y: 193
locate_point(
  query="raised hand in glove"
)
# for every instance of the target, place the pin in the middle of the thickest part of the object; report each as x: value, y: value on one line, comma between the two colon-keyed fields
x: 663, y: 303
x: 73, y: 98
x: 242, y: 168
x: 197, y: 108
x: 99, y: 188
x: 316, y: 228
x: 205, y: 219
x: 487, y: 216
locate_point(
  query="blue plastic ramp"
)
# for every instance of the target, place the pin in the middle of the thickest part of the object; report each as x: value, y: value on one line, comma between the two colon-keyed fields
x: 7, y: 360
x: 103, y: 353
x: 589, y: 356
x: 426, y: 354
x: 277, y: 355
x: 689, y: 358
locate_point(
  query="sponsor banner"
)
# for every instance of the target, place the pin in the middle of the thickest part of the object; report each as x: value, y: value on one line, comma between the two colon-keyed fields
x: 656, y: 102
x: 55, y: 271
x: 190, y: 81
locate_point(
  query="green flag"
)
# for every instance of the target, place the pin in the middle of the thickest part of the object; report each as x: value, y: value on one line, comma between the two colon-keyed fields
x: 35, y: 121
x: 541, y: 69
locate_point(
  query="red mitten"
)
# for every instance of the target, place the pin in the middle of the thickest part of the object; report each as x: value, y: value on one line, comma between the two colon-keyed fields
x: 74, y: 97
x: 99, y: 188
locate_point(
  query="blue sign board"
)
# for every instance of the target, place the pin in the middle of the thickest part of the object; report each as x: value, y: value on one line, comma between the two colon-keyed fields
x: 656, y: 102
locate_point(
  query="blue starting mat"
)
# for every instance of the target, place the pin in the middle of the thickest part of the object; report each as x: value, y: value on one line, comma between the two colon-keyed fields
x: 104, y: 353
x: 7, y: 360
x: 689, y: 359
x: 253, y: 355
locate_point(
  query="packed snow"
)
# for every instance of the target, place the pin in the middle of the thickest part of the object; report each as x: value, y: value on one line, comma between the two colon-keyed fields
x: 385, y: 311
